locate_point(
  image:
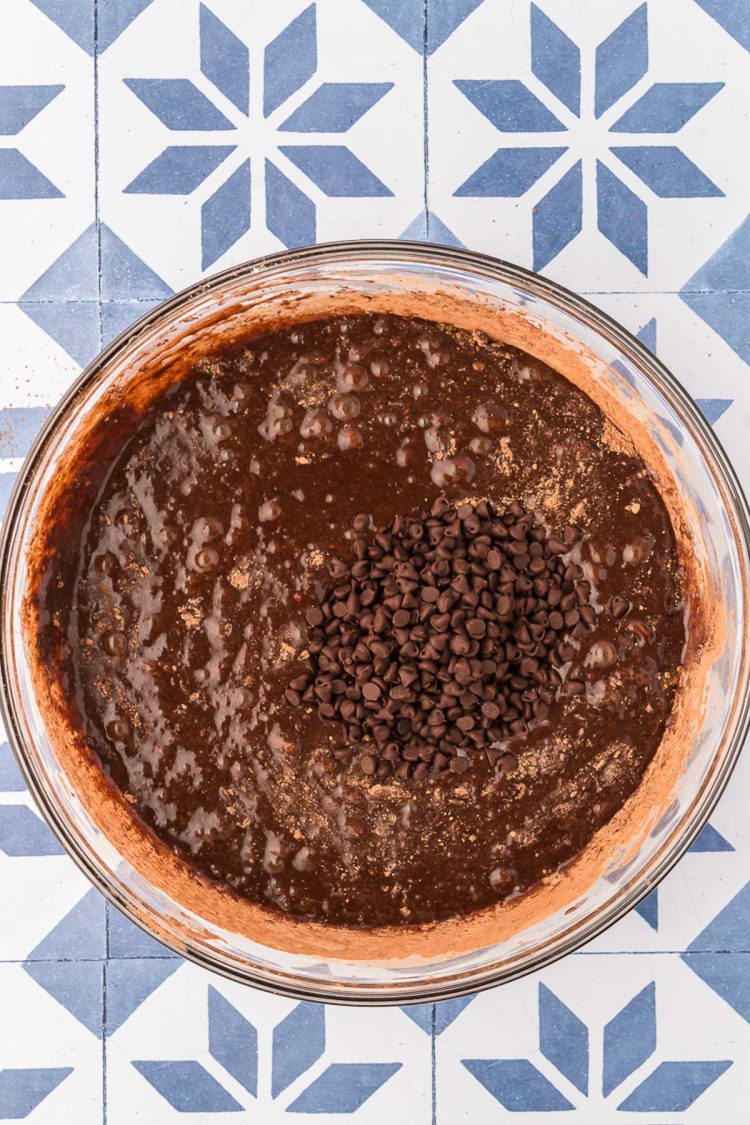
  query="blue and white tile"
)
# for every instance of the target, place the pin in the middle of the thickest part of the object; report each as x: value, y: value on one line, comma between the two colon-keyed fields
x: 682, y: 912
x: 593, y: 142
x: 604, y: 1039
x: 41, y: 887
x: 50, y: 1065
x: 35, y: 370
x: 262, y: 127
x: 665, y: 250
x: 707, y: 364
x: 714, y: 871
x: 46, y: 144
x: 200, y: 1045
x: 39, y: 890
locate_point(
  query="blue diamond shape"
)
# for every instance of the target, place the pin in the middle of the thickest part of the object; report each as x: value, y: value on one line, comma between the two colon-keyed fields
x: 79, y: 936
x: 76, y: 985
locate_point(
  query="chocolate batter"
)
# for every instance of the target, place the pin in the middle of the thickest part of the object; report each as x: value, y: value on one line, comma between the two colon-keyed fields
x: 212, y: 556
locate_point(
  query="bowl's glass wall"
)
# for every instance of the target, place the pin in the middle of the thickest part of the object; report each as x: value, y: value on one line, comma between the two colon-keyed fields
x: 698, y: 466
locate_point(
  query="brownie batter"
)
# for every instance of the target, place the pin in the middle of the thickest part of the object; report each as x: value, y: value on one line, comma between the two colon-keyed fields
x: 371, y: 620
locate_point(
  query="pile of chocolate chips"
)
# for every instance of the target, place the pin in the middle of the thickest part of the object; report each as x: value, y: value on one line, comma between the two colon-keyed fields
x: 444, y: 636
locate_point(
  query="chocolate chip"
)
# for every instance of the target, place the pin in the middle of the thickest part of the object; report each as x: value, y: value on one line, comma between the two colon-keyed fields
x: 118, y: 729
x: 315, y: 424
x: 442, y: 637
x: 460, y: 645
x: 588, y: 616
x: 116, y: 643
x: 206, y: 558
x: 349, y: 437
x: 619, y: 607
x: 344, y: 407
x: 354, y: 377
x: 107, y: 563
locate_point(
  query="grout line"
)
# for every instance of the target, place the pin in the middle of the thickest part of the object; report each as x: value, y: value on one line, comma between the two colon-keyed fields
x: 104, y: 1044
x: 657, y: 952
x: 89, y: 961
x: 643, y: 293
x: 83, y: 301
x: 433, y: 1026
x: 86, y: 960
x: 425, y: 128
x: 97, y: 208
x: 105, y: 967
x: 575, y: 953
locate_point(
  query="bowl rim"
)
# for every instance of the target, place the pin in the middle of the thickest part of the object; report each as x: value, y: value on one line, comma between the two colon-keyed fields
x: 498, y: 270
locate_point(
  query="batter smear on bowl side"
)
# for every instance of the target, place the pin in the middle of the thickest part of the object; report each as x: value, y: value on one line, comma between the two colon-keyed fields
x: 369, y: 619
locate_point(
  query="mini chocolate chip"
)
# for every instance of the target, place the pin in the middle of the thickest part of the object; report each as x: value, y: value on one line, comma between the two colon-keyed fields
x: 344, y: 407
x: 461, y: 648
x: 349, y: 437
x: 354, y: 377
x: 619, y: 607
x: 116, y: 643
x: 118, y: 729
x: 315, y: 424
x: 107, y: 563
x: 588, y: 615
x: 460, y: 645
x: 206, y: 559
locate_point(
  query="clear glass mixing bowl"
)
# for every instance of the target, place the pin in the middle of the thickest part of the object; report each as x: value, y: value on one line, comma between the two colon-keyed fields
x: 650, y: 394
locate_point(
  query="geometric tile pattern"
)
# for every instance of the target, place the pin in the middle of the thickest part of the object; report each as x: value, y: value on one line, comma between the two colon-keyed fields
x: 628, y: 1041
x: 146, y: 142
x: 327, y: 114
x: 634, y: 138
x: 297, y: 1042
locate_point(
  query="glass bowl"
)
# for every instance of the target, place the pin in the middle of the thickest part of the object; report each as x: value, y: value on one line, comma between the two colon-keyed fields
x: 522, y: 308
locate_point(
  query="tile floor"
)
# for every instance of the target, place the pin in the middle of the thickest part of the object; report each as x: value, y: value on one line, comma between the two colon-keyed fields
x: 145, y: 142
